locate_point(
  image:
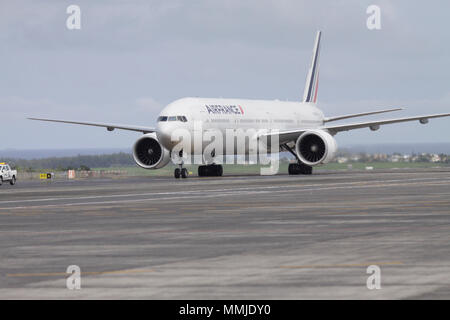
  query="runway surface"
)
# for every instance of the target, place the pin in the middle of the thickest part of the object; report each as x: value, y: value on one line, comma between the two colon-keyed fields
x: 236, y: 237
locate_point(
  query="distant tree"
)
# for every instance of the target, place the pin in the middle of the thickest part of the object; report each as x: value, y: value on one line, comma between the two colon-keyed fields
x: 363, y: 157
x: 70, y: 163
x: 423, y: 158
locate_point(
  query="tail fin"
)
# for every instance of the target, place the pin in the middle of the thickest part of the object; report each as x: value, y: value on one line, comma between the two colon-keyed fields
x: 312, y: 81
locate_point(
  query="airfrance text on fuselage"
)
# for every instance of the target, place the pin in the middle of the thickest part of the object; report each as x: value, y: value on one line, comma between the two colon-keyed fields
x: 224, y: 109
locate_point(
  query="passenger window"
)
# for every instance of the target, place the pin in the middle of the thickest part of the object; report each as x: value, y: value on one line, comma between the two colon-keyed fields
x: 172, y: 118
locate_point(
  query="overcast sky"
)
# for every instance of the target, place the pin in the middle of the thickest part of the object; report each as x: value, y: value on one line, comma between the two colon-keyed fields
x: 131, y: 58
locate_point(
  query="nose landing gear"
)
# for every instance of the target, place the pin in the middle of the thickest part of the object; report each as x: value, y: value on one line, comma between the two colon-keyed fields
x: 180, y: 172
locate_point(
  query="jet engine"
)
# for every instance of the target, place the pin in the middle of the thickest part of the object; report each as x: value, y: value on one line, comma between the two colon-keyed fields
x: 148, y: 153
x: 314, y: 147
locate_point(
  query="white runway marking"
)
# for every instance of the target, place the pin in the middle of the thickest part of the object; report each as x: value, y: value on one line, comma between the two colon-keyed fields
x: 205, y: 190
x: 223, y: 193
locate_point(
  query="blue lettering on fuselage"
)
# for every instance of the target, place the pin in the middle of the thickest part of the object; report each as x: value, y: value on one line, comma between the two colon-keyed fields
x: 223, y: 109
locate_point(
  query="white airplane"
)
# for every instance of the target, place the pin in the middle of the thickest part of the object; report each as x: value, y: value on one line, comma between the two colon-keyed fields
x: 301, y: 127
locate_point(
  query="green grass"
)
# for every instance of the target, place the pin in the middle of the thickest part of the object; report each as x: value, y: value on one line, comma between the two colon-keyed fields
x: 381, y: 165
x: 255, y: 169
x: 168, y: 170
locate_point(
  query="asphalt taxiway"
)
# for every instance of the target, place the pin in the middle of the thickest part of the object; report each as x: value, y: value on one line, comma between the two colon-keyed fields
x: 240, y: 237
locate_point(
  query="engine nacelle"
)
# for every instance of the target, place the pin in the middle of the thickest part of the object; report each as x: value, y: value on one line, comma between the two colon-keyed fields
x: 315, y: 147
x: 148, y: 153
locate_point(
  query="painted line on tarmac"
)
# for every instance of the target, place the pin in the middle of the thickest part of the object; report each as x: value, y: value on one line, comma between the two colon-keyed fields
x: 210, y: 190
x: 219, y: 193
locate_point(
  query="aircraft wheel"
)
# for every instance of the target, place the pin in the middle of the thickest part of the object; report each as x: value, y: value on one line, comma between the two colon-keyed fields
x: 184, y: 173
x: 306, y: 169
x: 218, y: 170
x: 177, y: 173
x: 299, y: 168
x: 293, y: 169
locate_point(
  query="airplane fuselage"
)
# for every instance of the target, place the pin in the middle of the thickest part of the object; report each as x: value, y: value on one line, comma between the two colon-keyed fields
x: 234, y: 114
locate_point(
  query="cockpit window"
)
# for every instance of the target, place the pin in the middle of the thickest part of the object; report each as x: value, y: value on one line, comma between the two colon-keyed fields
x: 172, y: 118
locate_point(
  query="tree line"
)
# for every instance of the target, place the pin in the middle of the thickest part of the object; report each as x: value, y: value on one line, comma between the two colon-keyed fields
x: 79, y: 162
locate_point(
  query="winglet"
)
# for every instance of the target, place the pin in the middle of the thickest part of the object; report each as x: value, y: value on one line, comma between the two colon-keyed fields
x: 312, y: 80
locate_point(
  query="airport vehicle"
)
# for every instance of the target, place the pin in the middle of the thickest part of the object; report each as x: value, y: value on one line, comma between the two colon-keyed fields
x: 6, y: 174
x: 300, y: 128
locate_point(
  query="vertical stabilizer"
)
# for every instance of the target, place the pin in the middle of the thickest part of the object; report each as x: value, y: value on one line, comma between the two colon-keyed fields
x: 312, y: 81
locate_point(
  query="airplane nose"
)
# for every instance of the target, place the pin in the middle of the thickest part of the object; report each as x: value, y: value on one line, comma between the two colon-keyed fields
x: 164, y: 134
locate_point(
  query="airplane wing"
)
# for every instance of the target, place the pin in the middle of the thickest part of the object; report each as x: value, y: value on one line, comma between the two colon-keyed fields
x: 375, y: 125
x: 108, y: 126
x: 329, y: 119
x: 286, y: 136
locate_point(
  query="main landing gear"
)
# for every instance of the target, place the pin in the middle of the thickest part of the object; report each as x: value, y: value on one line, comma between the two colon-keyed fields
x: 212, y: 170
x: 299, y: 167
